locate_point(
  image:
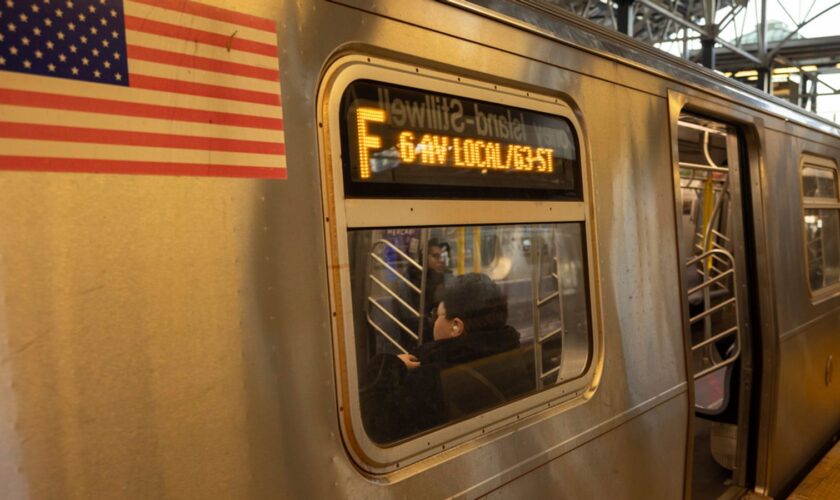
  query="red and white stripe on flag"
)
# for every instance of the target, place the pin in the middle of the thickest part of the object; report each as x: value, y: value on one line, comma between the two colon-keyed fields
x: 202, y: 97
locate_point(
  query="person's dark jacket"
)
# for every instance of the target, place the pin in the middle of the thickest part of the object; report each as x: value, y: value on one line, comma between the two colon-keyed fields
x: 397, y: 402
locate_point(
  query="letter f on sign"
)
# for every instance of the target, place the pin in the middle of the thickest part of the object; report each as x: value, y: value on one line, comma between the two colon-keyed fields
x: 366, y: 141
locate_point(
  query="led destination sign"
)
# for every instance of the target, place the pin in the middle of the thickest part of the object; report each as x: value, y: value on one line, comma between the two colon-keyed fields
x: 415, y: 140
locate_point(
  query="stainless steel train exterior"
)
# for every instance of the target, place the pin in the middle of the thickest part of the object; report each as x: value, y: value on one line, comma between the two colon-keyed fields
x: 190, y: 337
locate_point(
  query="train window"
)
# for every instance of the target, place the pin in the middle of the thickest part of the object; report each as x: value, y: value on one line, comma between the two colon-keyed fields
x: 448, y: 326
x: 819, y: 182
x: 460, y: 257
x: 821, y: 222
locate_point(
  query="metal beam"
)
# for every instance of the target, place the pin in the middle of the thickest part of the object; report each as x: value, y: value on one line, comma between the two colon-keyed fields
x: 707, y: 57
x: 803, y: 91
x: 670, y: 15
x: 772, y: 54
x: 762, y: 33
x: 655, y: 6
x: 736, y: 50
x: 709, y: 11
x: 730, y: 16
x: 765, y: 81
x: 821, y: 51
x: 625, y: 17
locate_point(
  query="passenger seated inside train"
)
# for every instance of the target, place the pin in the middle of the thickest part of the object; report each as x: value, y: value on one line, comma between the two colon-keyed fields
x: 406, y: 394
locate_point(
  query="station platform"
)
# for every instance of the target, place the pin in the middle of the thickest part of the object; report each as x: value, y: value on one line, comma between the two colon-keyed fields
x: 823, y: 482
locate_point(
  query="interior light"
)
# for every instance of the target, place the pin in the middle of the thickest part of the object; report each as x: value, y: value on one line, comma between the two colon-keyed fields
x: 752, y: 78
x: 810, y: 68
x: 749, y: 72
x: 786, y: 71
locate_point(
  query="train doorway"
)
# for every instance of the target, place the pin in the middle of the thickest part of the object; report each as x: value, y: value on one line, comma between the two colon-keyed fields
x: 712, y: 249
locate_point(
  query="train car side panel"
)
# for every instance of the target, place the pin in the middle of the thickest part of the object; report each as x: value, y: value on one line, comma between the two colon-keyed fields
x: 603, y: 469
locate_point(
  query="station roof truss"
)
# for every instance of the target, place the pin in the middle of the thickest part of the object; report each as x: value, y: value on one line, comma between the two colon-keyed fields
x: 762, y: 52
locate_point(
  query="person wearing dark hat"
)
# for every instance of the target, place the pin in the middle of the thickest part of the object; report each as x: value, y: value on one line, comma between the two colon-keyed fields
x: 402, y: 395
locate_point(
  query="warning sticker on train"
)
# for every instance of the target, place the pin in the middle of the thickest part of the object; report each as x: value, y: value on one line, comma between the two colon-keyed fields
x: 171, y: 87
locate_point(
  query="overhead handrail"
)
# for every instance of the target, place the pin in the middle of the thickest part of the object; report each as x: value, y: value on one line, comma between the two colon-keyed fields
x: 706, y: 149
x: 714, y: 339
x: 550, y: 334
x: 711, y: 271
x: 539, y: 302
x: 714, y: 244
x: 396, y: 297
x: 711, y: 220
x: 711, y: 166
x: 547, y: 299
x: 712, y: 310
x: 551, y: 372
x: 700, y: 166
x: 710, y: 338
x: 712, y: 281
x: 391, y: 269
x: 712, y: 260
x: 372, y: 303
x: 395, y: 272
x: 394, y: 319
x: 713, y: 217
x: 720, y: 235
x: 702, y: 128
x: 382, y: 332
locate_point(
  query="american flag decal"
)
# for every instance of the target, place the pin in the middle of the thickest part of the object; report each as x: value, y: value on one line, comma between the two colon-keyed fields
x: 171, y: 87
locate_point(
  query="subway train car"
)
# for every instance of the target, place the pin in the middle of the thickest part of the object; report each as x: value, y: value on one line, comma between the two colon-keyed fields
x: 236, y: 234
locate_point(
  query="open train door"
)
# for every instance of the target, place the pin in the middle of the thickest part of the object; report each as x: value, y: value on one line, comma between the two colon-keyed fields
x: 709, y: 172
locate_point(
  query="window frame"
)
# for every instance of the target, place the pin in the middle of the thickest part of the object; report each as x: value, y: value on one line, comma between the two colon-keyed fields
x: 342, y: 214
x: 813, y: 203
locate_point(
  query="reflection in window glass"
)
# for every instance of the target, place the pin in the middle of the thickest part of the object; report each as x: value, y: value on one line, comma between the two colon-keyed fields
x: 822, y: 236
x: 819, y: 182
x: 453, y: 321
x: 821, y: 223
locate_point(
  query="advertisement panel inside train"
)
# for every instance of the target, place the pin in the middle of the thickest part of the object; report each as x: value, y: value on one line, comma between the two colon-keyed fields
x: 397, y: 139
